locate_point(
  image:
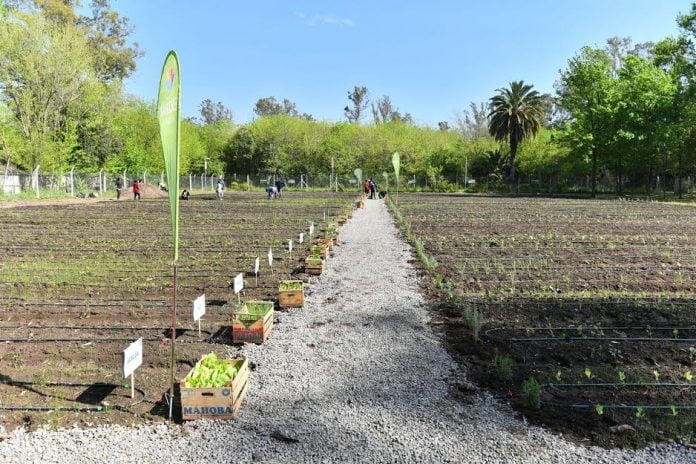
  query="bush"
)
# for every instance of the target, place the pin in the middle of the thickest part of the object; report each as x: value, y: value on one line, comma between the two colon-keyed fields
x: 531, y: 393
x: 505, y: 367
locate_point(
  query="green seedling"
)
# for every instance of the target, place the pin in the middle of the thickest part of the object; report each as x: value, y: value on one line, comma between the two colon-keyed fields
x: 599, y: 409
x: 622, y: 377
x: 588, y: 373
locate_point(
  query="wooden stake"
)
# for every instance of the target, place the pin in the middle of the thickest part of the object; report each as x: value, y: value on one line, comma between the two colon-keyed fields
x: 132, y: 384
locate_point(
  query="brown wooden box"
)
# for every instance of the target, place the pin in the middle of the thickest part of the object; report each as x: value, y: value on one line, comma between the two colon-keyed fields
x: 313, y: 268
x: 257, y: 331
x: 216, y: 403
x: 291, y: 298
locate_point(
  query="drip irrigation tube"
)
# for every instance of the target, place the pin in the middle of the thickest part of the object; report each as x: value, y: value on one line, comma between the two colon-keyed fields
x: 96, y: 408
x: 605, y: 339
x: 623, y: 406
x: 612, y: 385
x: 587, y: 328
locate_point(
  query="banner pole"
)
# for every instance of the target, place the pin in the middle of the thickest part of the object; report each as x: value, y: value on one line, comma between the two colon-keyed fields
x: 173, y: 360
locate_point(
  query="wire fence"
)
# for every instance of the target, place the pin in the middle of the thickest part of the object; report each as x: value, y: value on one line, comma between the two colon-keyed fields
x: 80, y: 183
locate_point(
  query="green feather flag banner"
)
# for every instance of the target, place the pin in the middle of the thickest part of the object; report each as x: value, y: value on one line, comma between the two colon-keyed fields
x: 168, y: 114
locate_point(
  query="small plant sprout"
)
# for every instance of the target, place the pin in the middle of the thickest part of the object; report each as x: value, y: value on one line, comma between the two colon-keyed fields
x: 558, y: 375
x: 673, y: 409
x: 531, y: 393
x: 599, y: 409
x: 688, y: 376
x: 675, y: 333
x: 622, y: 377
x: 656, y: 375
x: 588, y: 373
x: 640, y: 412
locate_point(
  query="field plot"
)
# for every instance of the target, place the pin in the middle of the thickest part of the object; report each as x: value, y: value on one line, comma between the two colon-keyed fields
x: 582, y: 313
x: 78, y: 283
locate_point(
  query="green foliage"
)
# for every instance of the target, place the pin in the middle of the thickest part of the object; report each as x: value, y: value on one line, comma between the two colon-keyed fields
x: 505, y: 367
x: 531, y: 393
x: 210, y: 372
x: 516, y: 115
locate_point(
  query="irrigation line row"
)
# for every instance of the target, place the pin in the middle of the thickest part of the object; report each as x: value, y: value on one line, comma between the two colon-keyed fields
x: 614, y: 385
x: 588, y: 328
x: 606, y: 339
x: 96, y: 408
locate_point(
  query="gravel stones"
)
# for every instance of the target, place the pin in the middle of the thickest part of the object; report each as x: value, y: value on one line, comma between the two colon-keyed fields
x: 354, y: 376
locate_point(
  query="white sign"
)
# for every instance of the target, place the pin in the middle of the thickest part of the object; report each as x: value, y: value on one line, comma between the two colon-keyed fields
x: 302, y: 237
x: 311, y: 229
x: 238, y: 283
x: 198, y: 307
x: 270, y: 257
x: 132, y: 357
x: 290, y: 246
x: 256, y: 266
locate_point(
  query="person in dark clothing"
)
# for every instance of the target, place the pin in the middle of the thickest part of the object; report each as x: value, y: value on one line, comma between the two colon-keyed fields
x: 373, y: 189
x: 279, y: 187
x: 119, y: 188
x: 136, y: 189
x: 185, y: 195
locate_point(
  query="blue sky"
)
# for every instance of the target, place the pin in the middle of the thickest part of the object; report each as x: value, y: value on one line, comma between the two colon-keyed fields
x: 431, y: 58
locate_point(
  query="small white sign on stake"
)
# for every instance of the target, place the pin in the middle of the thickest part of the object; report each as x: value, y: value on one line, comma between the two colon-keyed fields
x: 270, y: 258
x: 302, y: 237
x: 311, y: 229
x: 238, y: 285
x: 256, y: 271
x: 132, y: 359
x: 290, y: 246
x: 199, y: 311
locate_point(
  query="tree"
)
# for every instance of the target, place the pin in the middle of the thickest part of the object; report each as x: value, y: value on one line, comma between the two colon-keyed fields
x: 443, y: 126
x: 45, y: 70
x: 585, y: 91
x: 212, y: 113
x: 473, y: 123
x: 385, y: 111
x: 269, y: 106
x: 359, y: 100
x: 515, y: 116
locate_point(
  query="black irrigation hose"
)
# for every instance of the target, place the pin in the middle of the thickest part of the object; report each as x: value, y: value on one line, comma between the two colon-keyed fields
x: 126, y: 408
x: 588, y: 328
x: 612, y: 385
x: 621, y: 406
x: 94, y: 327
x: 609, y: 339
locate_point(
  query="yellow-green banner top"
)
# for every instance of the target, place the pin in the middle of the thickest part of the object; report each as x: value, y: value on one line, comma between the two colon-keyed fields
x: 168, y: 114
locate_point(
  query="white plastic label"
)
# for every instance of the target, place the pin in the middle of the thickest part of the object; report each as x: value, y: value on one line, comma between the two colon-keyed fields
x: 290, y: 246
x: 270, y: 257
x: 302, y: 237
x: 132, y: 357
x: 256, y: 266
x: 198, y: 307
x: 311, y: 229
x: 238, y: 283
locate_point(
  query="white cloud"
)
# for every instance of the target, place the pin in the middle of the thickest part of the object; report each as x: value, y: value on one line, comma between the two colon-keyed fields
x: 330, y: 18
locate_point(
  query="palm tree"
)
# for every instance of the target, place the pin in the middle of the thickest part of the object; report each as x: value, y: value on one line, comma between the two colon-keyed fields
x: 515, y: 117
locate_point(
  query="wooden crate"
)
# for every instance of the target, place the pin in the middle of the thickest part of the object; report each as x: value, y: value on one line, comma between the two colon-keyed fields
x: 291, y: 298
x: 216, y: 403
x: 320, y: 249
x: 314, y: 266
x: 246, y: 329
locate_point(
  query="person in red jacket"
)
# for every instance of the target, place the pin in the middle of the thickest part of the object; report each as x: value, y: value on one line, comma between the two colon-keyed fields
x: 367, y: 186
x: 136, y: 189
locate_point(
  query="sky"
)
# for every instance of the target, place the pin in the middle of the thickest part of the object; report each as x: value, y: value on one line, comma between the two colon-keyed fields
x: 430, y: 57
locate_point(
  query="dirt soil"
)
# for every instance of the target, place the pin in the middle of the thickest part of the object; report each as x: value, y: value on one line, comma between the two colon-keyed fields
x: 78, y: 284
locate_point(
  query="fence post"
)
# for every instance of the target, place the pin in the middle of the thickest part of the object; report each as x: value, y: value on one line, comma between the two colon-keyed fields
x: 105, y: 181
x: 248, y: 183
x: 190, y: 182
x: 72, y: 181
x: 212, y: 184
x: 125, y: 180
x: 35, y: 180
x: 101, y: 182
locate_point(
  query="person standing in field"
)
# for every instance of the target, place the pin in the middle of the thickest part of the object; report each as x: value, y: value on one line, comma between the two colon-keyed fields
x: 136, y: 189
x: 218, y: 189
x: 119, y: 188
x: 279, y: 187
x: 367, y: 186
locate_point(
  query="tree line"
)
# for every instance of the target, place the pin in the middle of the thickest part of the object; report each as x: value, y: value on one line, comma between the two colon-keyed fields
x: 621, y: 117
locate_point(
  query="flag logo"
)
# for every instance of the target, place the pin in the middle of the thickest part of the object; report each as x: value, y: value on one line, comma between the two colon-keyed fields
x: 170, y: 79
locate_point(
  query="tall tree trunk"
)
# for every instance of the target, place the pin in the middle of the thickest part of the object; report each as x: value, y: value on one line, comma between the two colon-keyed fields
x: 513, y: 156
x: 594, y: 172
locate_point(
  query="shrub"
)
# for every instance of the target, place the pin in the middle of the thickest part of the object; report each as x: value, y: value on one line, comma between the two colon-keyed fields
x: 531, y: 393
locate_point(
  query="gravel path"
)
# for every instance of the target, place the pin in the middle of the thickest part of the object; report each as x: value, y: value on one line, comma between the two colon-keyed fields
x: 354, y: 376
